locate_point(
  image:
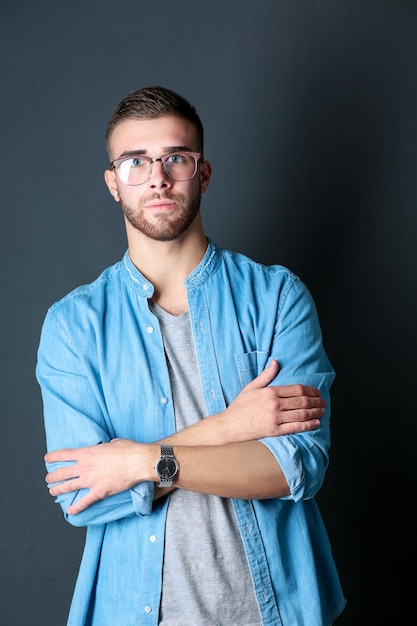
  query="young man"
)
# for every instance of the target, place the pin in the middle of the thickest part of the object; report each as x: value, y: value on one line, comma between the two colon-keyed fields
x: 203, y: 377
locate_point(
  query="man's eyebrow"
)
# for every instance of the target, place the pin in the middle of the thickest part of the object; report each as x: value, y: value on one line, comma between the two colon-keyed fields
x: 167, y: 150
x: 171, y: 149
x: 129, y: 153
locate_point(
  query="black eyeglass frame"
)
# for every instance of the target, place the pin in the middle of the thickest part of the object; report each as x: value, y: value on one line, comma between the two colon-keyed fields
x: 197, y: 156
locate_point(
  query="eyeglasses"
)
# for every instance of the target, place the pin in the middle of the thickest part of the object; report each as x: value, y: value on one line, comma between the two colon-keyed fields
x: 136, y: 170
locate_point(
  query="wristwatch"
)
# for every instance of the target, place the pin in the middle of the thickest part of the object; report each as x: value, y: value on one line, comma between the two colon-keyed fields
x: 167, y: 466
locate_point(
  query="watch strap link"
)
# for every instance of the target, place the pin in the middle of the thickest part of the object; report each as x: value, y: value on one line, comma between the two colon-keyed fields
x: 166, y: 450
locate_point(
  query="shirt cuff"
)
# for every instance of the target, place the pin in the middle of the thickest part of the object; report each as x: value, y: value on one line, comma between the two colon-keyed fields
x: 142, y: 497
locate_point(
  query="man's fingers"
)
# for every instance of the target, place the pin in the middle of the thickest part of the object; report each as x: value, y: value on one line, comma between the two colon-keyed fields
x: 288, y: 391
x: 305, y: 415
x: 62, y: 473
x: 64, y: 487
x: 285, y: 391
x: 68, y: 454
x: 65, y: 454
x: 289, y: 428
x: 264, y: 377
x: 81, y: 505
x: 291, y: 403
x: 69, y: 486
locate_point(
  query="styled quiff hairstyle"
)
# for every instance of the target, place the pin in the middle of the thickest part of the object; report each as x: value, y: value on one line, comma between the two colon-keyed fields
x: 150, y: 103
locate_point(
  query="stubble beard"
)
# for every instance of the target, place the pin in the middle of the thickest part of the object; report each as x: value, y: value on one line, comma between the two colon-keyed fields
x: 164, y: 226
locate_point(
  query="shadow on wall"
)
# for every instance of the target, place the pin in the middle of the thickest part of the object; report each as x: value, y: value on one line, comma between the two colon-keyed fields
x: 340, y: 164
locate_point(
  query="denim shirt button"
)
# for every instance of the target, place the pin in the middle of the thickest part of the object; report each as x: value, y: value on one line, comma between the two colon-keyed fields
x: 164, y: 400
x: 147, y: 609
x: 152, y: 538
x: 149, y: 330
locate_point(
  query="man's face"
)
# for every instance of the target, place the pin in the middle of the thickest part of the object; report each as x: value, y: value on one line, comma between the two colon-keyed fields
x: 160, y: 208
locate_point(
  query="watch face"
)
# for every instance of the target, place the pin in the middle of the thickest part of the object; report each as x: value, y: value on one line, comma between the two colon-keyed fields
x: 166, y: 468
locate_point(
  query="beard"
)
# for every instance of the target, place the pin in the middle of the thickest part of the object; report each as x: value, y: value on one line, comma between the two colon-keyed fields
x: 163, y: 226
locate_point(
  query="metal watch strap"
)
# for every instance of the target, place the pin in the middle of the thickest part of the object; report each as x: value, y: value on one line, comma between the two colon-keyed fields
x: 166, y: 450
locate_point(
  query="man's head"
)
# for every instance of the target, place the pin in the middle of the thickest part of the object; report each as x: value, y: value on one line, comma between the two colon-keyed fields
x: 157, y: 171
x: 150, y: 103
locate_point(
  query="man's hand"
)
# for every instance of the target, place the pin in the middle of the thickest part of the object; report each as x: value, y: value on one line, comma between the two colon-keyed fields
x: 104, y: 469
x: 258, y: 411
x: 262, y: 411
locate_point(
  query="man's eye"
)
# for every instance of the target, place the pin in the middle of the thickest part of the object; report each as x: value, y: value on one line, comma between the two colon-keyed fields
x: 176, y: 158
x: 137, y: 162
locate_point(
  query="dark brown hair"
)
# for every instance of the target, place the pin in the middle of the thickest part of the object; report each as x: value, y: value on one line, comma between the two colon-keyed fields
x: 153, y: 102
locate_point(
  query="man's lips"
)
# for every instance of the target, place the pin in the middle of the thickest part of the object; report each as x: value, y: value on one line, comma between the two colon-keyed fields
x: 161, y: 205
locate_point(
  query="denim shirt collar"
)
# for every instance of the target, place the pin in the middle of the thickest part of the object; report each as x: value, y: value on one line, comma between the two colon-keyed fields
x: 199, y: 275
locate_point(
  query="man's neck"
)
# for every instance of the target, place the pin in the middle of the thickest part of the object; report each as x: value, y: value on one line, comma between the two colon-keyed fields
x: 166, y: 264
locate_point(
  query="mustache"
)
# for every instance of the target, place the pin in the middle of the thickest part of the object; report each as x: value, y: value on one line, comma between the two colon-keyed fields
x: 163, y: 196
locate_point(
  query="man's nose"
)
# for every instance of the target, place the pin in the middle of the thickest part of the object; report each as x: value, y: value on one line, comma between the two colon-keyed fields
x: 158, y: 176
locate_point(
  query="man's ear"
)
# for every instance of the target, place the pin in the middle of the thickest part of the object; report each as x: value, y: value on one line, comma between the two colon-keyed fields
x: 205, y: 175
x: 110, y: 178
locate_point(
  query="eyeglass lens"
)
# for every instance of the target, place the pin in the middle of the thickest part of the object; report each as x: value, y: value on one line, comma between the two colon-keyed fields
x: 178, y: 167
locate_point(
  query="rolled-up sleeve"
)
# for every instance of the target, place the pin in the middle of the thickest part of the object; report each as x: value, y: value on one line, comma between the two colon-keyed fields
x: 298, y: 347
x: 75, y: 416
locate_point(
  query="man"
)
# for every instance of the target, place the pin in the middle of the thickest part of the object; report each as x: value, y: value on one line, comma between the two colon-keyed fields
x: 186, y: 402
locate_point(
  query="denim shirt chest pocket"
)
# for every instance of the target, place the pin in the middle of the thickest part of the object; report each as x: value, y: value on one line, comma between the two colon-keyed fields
x: 250, y: 365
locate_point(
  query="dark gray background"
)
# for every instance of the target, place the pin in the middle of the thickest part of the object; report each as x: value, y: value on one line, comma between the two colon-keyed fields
x: 322, y: 95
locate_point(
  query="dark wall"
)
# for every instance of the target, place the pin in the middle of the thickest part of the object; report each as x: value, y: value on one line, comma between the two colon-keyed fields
x: 322, y: 96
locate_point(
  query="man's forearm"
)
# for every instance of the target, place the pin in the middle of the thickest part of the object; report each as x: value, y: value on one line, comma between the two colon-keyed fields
x: 258, y: 411
x: 246, y: 470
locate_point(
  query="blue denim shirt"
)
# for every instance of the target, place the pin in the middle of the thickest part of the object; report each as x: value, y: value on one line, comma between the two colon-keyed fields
x: 103, y: 374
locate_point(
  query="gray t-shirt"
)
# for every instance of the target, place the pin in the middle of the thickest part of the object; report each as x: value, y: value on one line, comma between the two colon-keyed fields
x: 206, y: 579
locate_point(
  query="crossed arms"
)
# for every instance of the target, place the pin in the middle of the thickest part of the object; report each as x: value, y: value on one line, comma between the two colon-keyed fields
x: 220, y: 455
